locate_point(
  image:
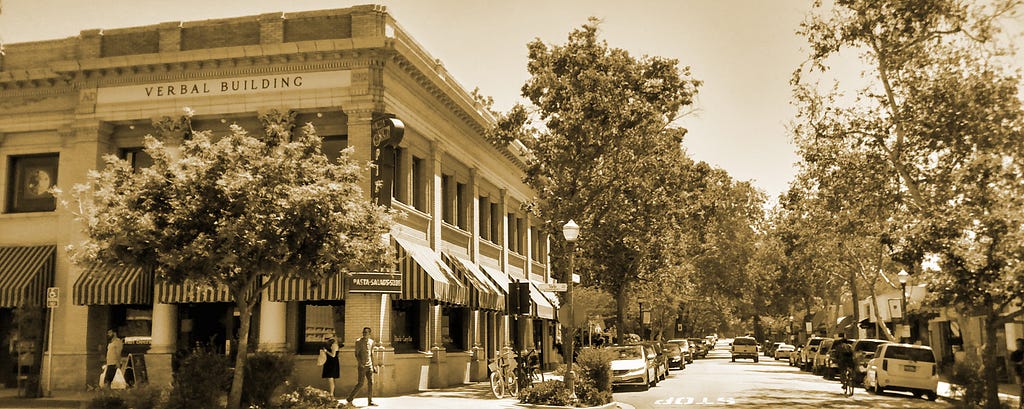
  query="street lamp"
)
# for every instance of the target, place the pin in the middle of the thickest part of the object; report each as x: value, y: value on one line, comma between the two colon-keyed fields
x: 903, y: 276
x: 571, y: 231
x: 792, y: 336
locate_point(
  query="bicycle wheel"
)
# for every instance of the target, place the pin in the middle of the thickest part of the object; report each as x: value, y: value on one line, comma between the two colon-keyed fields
x: 513, y: 385
x: 847, y: 381
x: 496, y: 385
x: 537, y: 375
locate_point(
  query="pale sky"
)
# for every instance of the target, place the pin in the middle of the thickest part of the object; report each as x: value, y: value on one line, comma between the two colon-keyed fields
x: 743, y: 50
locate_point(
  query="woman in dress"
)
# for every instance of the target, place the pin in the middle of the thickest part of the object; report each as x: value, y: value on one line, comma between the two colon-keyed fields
x: 331, y: 369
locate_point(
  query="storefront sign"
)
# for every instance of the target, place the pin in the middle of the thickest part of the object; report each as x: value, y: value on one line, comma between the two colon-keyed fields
x: 375, y: 283
x: 224, y: 86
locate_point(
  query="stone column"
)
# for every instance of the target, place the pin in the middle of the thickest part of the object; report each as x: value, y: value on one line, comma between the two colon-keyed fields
x: 359, y: 137
x: 438, y: 375
x: 164, y: 343
x: 273, y: 315
x: 436, y: 209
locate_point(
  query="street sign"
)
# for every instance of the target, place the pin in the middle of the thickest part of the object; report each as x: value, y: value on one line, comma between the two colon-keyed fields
x: 52, y: 297
x: 553, y: 287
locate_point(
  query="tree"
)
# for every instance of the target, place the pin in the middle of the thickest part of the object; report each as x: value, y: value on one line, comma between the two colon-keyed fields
x: 242, y: 211
x: 941, y: 106
x: 605, y: 155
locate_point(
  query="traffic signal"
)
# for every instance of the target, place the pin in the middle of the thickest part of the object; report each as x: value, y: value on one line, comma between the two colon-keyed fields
x: 512, y: 301
x: 524, y: 297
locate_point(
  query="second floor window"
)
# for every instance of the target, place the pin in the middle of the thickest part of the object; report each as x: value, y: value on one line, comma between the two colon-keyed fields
x: 447, y: 199
x: 29, y: 183
x: 419, y: 185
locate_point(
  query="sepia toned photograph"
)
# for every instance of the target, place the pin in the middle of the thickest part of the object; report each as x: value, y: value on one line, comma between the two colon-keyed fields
x: 659, y: 204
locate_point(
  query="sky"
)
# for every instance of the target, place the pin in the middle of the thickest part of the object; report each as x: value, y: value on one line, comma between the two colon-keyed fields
x: 743, y: 50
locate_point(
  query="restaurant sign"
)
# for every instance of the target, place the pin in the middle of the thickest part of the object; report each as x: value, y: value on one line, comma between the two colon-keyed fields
x: 375, y: 282
x: 172, y: 90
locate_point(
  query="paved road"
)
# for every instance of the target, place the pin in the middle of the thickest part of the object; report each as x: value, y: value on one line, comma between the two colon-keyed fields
x: 717, y: 382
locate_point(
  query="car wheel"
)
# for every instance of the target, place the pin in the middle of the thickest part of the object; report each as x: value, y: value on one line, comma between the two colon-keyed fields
x: 755, y: 359
x: 734, y: 359
x: 917, y: 394
x: 879, y: 389
x: 931, y: 395
x: 647, y: 384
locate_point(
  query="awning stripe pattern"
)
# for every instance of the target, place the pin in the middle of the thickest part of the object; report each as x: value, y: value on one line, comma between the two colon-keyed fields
x: 543, y: 307
x: 482, y: 294
x: 25, y: 273
x: 189, y: 292
x: 124, y: 285
x: 330, y: 288
x: 499, y: 278
x: 426, y: 277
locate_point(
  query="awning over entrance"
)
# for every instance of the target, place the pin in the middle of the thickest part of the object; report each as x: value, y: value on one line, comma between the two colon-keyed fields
x: 125, y: 285
x: 426, y: 277
x: 299, y: 289
x: 544, y: 308
x: 482, y: 293
x: 25, y: 272
x: 190, y: 292
x: 499, y: 278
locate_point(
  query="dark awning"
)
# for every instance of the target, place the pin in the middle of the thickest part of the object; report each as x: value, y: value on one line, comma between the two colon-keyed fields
x: 25, y: 273
x: 124, y: 285
x: 299, y: 289
x: 483, y: 293
x: 189, y: 292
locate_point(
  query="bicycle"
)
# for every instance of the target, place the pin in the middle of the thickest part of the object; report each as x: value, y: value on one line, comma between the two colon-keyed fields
x: 528, y: 369
x: 846, y: 379
x: 503, y: 378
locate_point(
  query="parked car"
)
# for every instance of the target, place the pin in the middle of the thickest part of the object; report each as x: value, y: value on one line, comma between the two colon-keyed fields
x: 685, y: 347
x: 863, y: 351
x: 633, y: 366
x: 818, y: 364
x: 808, y: 352
x: 903, y: 367
x: 744, y: 347
x: 770, y: 350
x: 657, y: 350
x: 831, y: 367
x: 701, y: 344
x: 794, y: 357
x: 674, y: 355
x: 783, y: 351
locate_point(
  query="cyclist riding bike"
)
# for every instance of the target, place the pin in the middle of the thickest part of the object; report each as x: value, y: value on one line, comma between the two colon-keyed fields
x: 842, y: 355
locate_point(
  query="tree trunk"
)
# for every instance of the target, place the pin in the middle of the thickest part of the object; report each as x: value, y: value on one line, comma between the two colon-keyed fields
x: 856, y: 306
x: 244, y: 317
x: 990, y: 362
x: 620, y: 310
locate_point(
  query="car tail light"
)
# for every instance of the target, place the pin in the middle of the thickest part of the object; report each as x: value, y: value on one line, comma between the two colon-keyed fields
x: 885, y: 364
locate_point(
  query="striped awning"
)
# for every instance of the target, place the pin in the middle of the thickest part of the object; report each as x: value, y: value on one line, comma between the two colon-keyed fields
x: 483, y: 293
x: 426, y: 277
x: 543, y: 307
x: 124, y: 285
x: 497, y: 277
x: 25, y: 273
x: 300, y: 289
x: 189, y: 292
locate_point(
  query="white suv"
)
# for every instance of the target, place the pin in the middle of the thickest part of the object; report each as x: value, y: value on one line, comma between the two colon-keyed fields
x: 903, y: 367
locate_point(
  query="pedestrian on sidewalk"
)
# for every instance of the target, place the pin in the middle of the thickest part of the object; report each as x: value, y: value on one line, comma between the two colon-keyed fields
x: 332, y: 368
x: 1017, y: 358
x: 364, y: 367
x: 114, y: 348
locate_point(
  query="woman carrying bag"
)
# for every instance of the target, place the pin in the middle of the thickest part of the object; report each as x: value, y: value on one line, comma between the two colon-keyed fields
x: 329, y: 360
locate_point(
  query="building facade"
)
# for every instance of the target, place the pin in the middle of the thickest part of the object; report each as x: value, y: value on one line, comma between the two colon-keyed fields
x: 464, y: 238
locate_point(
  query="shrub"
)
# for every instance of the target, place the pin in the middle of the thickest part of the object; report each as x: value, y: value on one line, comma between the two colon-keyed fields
x: 201, y: 380
x: 596, y: 365
x: 143, y: 396
x: 264, y: 373
x: 305, y: 398
x: 107, y: 399
x: 553, y: 392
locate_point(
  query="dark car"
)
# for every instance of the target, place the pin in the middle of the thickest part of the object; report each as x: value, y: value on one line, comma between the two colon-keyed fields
x: 863, y: 351
x: 701, y: 344
x: 674, y: 355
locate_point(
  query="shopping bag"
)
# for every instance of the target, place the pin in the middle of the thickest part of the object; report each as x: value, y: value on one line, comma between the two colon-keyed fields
x: 322, y: 358
x: 118, y: 382
x: 103, y: 376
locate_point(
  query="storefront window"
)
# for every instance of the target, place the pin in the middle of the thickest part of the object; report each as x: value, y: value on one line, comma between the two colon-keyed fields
x: 454, y: 329
x: 134, y: 326
x: 319, y: 323
x: 406, y: 326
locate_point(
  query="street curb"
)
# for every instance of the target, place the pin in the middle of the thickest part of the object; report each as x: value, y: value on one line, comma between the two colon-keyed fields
x: 612, y: 405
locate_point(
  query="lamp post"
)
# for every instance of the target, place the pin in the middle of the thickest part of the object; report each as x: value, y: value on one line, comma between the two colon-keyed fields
x: 792, y: 336
x: 571, y: 231
x: 903, y: 276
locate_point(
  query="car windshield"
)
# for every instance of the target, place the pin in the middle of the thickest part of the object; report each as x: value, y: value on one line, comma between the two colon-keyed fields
x: 628, y: 352
x: 867, y: 346
x: 744, y: 341
x: 910, y: 354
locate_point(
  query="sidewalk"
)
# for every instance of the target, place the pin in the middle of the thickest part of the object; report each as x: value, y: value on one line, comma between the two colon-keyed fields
x: 475, y: 396
x: 1008, y: 392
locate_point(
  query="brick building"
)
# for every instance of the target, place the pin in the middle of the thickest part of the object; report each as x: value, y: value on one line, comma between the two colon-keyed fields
x: 65, y: 103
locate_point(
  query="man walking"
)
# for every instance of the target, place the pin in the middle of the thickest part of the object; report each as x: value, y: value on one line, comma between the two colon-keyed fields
x: 113, y: 357
x: 364, y: 367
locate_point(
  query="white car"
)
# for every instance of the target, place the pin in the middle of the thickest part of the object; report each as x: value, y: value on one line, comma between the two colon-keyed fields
x: 783, y: 351
x: 633, y: 366
x: 903, y: 367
